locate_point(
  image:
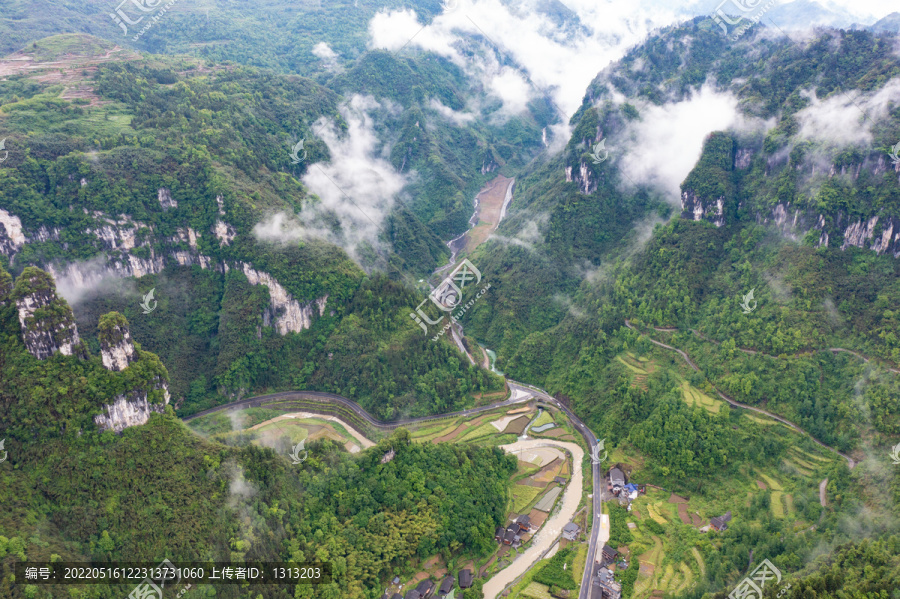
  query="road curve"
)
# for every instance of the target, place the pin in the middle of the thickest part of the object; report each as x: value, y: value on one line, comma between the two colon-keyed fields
x: 518, y: 393
x: 850, y: 461
x: 273, y: 399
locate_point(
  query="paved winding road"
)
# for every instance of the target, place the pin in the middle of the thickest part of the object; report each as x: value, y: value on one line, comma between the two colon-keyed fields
x: 518, y: 393
x: 596, y: 475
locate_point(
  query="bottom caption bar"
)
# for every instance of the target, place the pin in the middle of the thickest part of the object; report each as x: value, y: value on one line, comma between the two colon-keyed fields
x: 172, y: 573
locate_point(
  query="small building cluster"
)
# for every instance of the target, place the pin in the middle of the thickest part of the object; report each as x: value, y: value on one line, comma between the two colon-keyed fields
x: 571, y: 531
x: 512, y: 534
x: 426, y: 589
x: 619, y: 487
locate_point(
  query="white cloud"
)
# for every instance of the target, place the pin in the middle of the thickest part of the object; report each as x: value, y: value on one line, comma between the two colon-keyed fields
x: 80, y: 281
x: 329, y: 57
x: 280, y: 228
x: 666, y: 143
x: 358, y: 186
x: 511, y: 88
x: 560, y: 60
x: 841, y: 118
x: 458, y: 118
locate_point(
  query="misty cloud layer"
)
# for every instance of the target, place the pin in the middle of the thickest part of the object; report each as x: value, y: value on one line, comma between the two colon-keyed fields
x: 356, y: 189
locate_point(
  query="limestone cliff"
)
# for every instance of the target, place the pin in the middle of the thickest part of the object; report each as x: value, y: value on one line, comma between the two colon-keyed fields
x: 288, y: 314
x: 48, y: 325
x: 132, y: 409
x: 116, y: 348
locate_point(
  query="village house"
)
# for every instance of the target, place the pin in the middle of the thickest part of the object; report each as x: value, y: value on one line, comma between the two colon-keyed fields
x: 523, y: 523
x: 465, y: 579
x: 498, y: 534
x: 616, y: 480
x: 605, y: 586
x: 720, y: 523
x: 446, y: 586
x: 570, y: 531
x: 609, y: 555
x: 425, y: 588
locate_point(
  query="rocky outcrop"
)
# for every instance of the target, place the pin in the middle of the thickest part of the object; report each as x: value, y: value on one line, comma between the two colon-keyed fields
x: 131, y: 409
x: 743, y: 158
x: 188, y: 236
x: 116, y: 348
x: 48, y: 325
x: 694, y: 208
x: 122, y: 237
x: 288, y: 314
x: 165, y: 198
x: 224, y: 232
x: 876, y: 233
x: 858, y: 233
x: 12, y: 238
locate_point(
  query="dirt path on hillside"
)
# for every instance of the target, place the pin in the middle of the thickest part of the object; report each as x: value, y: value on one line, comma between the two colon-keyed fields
x: 850, y: 461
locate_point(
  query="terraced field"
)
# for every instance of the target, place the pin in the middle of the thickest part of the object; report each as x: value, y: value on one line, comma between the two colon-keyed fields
x: 523, y: 496
x: 637, y: 368
x: 696, y: 398
x: 777, y: 505
x: 655, y: 515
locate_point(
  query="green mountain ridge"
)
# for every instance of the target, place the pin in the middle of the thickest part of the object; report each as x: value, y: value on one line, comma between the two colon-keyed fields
x: 158, y: 177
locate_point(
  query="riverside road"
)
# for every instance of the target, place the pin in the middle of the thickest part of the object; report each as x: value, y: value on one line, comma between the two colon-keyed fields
x: 518, y: 393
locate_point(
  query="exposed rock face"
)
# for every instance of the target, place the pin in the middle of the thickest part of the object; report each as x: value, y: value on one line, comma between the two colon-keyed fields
x: 165, y: 198
x: 131, y: 409
x: 694, y: 208
x: 187, y: 235
x: 289, y: 314
x: 858, y: 233
x: 48, y: 325
x: 12, y: 237
x: 116, y: 348
x: 224, y: 232
x: 864, y: 233
x: 743, y: 158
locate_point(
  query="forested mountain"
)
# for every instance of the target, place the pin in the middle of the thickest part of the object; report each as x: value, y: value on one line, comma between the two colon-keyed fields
x: 242, y: 210
x: 807, y: 221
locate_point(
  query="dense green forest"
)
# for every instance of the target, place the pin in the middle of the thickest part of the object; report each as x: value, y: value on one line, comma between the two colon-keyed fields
x: 76, y: 493
x: 581, y: 253
x: 217, y: 142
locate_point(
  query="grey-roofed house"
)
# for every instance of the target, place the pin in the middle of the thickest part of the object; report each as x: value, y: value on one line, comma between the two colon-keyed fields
x: 412, y: 594
x: 609, y: 554
x: 446, y: 586
x: 397, y: 596
x: 465, y: 578
x: 498, y: 534
x: 570, y: 531
x: 509, y: 537
x: 720, y: 523
x: 425, y: 588
x: 606, y: 584
x: 524, y: 523
x: 616, y: 479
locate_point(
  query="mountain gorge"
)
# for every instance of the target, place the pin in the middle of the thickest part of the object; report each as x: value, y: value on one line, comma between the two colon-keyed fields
x: 255, y: 199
